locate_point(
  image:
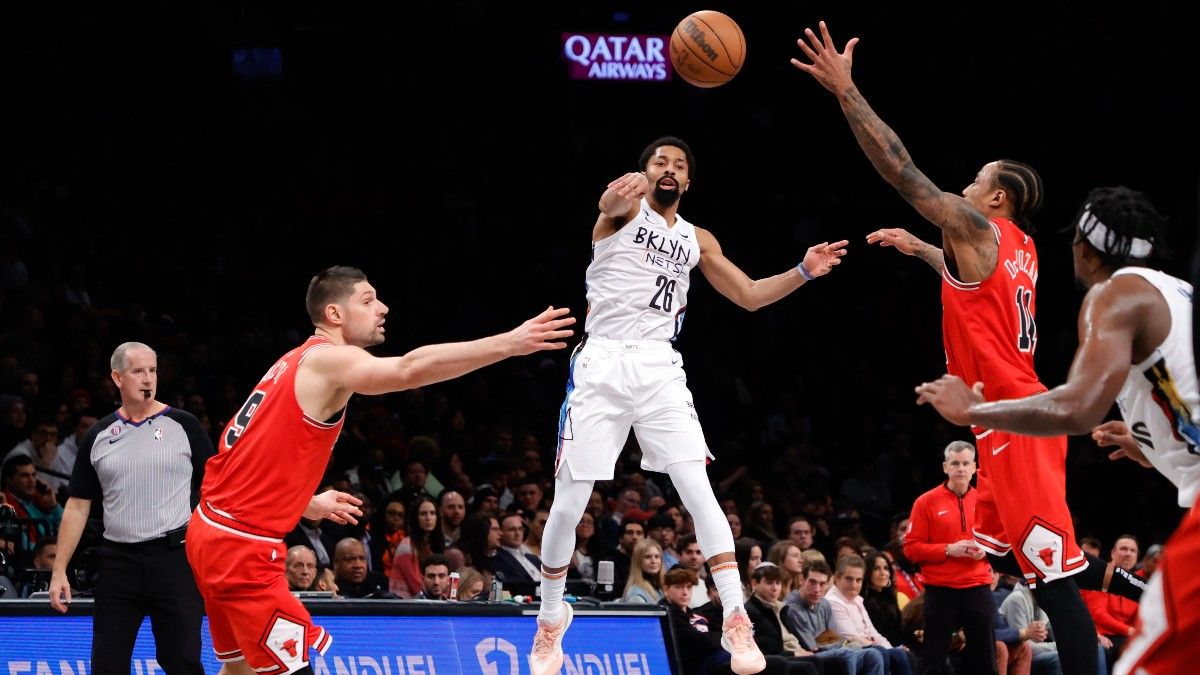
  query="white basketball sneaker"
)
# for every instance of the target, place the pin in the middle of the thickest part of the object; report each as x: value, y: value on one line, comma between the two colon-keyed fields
x: 737, y: 637
x: 547, y: 655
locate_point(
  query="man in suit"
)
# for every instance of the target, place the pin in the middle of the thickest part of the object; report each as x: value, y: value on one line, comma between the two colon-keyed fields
x: 310, y: 533
x: 350, y: 572
x: 509, y: 563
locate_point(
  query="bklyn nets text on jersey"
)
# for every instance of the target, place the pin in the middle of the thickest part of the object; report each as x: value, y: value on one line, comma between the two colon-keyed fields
x: 675, y: 255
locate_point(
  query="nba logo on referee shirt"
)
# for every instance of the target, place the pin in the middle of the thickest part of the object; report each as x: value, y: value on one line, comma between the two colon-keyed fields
x: 158, y: 434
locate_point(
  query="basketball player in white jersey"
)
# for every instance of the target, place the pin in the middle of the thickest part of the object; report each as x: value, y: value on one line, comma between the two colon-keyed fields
x: 626, y: 374
x: 1135, y: 346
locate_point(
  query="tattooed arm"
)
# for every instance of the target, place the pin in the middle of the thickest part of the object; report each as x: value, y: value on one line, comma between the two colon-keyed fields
x: 903, y: 241
x: 964, y: 228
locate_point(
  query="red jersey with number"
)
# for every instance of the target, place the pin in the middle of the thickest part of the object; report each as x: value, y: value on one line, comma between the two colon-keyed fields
x: 271, y: 456
x: 988, y: 327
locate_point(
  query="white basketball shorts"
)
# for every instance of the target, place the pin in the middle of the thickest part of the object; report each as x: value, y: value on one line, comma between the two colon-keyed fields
x: 614, y: 385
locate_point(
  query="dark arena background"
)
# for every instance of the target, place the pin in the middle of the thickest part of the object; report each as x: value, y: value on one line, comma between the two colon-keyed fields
x: 175, y: 173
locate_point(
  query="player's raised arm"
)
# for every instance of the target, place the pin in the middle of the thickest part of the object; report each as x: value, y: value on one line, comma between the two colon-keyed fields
x: 751, y: 294
x: 620, y: 202
x: 831, y: 68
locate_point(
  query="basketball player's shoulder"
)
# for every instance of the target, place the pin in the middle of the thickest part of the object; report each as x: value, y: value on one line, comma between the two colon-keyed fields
x: 322, y: 348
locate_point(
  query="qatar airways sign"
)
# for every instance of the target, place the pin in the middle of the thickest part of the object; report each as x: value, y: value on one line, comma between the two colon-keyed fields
x: 597, y: 56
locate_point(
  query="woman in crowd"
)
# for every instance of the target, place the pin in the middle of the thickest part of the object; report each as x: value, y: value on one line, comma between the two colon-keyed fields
x: 786, y: 556
x: 645, y: 584
x: 470, y: 585
x: 392, y: 529
x: 424, y: 537
x: 884, y: 603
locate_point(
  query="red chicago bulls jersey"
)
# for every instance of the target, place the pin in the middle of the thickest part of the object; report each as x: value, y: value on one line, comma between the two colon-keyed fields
x: 271, y: 456
x: 988, y: 327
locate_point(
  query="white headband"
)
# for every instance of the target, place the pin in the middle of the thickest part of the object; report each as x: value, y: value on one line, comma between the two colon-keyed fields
x: 1097, y: 235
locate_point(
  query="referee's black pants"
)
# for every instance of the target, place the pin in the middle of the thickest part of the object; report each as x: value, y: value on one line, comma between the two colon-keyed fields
x: 136, y: 580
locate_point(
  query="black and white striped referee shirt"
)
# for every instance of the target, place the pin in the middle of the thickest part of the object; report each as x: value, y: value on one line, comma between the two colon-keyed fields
x: 146, y: 474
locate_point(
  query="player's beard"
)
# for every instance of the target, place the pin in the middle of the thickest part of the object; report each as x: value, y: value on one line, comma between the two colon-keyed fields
x: 368, y: 338
x: 666, y: 197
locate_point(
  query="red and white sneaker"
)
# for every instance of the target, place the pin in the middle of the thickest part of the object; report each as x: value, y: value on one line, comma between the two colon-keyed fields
x: 737, y: 637
x: 547, y: 655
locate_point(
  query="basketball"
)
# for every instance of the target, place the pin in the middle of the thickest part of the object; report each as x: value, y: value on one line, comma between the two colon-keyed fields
x: 707, y: 48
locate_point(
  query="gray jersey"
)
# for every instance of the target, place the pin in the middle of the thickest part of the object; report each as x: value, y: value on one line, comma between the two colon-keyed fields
x: 1160, y: 400
x: 637, y: 282
x: 146, y: 474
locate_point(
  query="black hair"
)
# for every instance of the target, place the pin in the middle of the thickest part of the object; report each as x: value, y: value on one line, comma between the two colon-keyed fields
x: 332, y: 284
x: 422, y: 543
x: 473, y: 539
x: 644, y: 159
x: 434, y: 559
x: 769, y: 572
x: 10, y: 468
x: 1024, y: 187
x: 1127, y: 215
x: 632, y: 521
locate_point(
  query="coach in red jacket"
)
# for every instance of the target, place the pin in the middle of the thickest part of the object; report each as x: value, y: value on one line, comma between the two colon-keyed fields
x: 957, y: 580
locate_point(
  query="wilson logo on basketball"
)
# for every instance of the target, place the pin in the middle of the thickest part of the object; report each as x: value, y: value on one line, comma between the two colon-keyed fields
x: 707, y: 48
x: 693, y: 31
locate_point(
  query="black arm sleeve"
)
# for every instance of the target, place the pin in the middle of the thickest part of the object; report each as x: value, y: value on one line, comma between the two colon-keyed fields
x: 201, y: 445
x: 85, y: 484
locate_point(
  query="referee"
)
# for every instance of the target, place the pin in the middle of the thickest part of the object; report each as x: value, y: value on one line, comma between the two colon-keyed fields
x: 145, y: 462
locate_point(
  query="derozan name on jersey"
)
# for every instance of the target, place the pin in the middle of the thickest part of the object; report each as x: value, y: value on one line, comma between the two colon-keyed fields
x: 595, y: 56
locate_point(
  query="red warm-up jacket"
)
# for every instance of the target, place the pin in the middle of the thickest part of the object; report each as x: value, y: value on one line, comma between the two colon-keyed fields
x: 940, y: 517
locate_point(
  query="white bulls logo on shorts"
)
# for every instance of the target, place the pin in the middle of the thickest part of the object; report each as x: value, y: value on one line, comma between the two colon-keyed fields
x: 286, y: 642
x: 1044, y: 548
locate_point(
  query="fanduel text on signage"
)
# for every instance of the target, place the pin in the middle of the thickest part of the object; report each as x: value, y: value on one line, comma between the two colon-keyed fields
x: 596, y: 56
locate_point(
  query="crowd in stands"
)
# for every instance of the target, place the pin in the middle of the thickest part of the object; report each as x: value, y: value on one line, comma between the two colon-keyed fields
x: 457, y: 478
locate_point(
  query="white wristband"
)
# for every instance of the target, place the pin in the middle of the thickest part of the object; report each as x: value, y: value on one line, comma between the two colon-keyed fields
x: 804, y: 272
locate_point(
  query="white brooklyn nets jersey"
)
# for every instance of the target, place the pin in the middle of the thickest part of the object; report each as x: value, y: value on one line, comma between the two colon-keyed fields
x: 637, y: 282
x: 1160, y: 400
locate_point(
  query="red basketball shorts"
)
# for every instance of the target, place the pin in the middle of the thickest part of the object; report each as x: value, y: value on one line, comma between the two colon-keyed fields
x: 251, y: 613
x: 1022, y: 504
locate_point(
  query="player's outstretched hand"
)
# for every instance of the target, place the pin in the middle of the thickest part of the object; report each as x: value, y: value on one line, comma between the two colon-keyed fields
x: 951, y: 397
x: 820, y: 259
x: 829, y: 66
x: 631, y: 186
x: 900, y: 239
x: 60, y: 592
x: 542, y: 332
x: 340, y: 507
x: 1116, y: 433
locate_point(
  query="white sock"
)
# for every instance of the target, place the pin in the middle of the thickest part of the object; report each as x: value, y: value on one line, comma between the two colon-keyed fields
x: 558, y: 541
x: 729, y: 587
x: 552, y: 597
